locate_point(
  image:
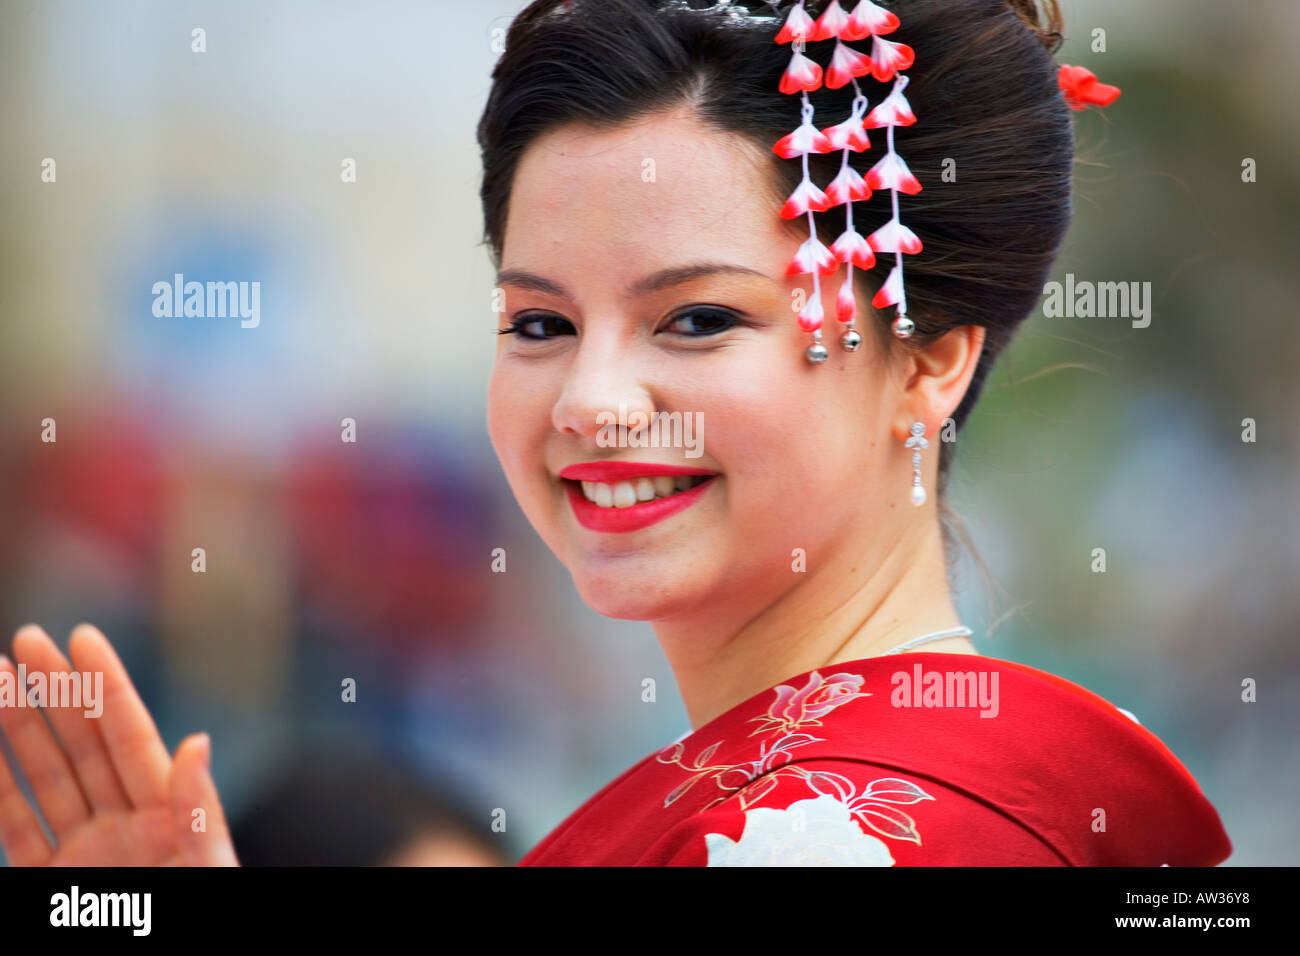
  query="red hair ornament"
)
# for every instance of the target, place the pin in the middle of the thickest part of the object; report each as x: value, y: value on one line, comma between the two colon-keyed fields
x: 886, y: 62
x: 803, y: 75
x: 1082, y: 89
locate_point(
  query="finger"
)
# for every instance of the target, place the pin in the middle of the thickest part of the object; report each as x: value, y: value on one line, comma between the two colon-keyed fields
x: 21, y: 835
x: 134, y: 745
x: 78, y: 733
x: 42, y: 760
x: 204, y: 837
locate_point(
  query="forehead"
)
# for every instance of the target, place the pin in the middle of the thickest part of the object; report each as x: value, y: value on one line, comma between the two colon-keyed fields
x: 656, y: 191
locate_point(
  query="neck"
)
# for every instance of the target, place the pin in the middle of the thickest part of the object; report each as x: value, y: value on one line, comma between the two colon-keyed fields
x: 730, y: 650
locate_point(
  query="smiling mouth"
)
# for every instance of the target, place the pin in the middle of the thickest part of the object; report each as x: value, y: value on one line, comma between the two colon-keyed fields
x: 635, y: 491
x: 619, y: 506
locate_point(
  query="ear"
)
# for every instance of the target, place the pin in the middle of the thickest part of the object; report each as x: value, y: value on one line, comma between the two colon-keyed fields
x: 936, y: 377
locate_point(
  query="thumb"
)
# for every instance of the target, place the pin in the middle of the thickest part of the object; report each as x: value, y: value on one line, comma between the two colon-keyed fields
x: 197, y: 817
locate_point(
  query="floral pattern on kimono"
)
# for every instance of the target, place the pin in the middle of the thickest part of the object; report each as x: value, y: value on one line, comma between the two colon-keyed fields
x: 830, y: 769
x: 827, y: 827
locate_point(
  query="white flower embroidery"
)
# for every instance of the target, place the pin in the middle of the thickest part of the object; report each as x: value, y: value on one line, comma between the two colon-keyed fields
x: 819, y: 831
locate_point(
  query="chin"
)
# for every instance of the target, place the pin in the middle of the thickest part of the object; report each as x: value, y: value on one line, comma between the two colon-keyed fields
x: 649, y: 598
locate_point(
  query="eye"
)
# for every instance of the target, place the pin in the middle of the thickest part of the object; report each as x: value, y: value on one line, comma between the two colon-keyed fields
x: 708, y: 320
x: 549, y: 325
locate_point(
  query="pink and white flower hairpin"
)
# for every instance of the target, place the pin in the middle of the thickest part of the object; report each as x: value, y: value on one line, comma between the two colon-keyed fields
x: 885, y: 62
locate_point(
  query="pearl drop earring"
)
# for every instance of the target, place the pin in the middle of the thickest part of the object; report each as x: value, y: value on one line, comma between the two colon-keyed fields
x: 917, y: 441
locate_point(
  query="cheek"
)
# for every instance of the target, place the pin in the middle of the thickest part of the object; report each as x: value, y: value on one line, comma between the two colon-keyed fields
x: 761, y: 439
x: 518, y: 419
x: 792, y: 443
x: 497, y: 421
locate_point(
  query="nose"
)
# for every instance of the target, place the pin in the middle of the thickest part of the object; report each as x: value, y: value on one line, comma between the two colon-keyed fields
x: 605, y: 391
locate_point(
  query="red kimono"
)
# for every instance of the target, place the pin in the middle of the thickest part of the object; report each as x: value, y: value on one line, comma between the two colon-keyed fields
x: 914, y: 759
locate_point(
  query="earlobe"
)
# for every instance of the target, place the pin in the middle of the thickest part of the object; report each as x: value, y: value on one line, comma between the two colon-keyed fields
x: 900, y: 429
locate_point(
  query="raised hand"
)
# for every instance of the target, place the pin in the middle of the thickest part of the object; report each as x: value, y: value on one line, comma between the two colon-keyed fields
x: 109, y: 791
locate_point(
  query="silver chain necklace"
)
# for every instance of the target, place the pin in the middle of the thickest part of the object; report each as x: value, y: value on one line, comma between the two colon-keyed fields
x: 927, y: 638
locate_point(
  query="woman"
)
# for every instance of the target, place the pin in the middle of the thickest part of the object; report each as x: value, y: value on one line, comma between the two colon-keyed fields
x: 777, y: 539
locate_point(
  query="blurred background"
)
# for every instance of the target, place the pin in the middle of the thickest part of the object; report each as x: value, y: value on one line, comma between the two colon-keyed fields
x: 481, y: 692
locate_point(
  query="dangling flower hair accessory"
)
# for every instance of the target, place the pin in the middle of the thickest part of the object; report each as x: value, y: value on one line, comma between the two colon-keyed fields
x: 886, y: 61
x: 802, y: 76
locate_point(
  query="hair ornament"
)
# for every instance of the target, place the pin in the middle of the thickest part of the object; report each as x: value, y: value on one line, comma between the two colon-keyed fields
x: 886, y: 61
x: 1082, y: 88
x: 803, y: 75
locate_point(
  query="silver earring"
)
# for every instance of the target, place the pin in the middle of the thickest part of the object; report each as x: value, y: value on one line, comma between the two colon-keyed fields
x: 917, y: 441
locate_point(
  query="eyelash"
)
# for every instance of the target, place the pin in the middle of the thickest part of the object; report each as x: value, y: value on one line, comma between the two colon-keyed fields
x: 520, y: 322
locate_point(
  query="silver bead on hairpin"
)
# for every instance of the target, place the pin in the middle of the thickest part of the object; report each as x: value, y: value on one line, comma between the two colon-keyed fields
x: 903, y: 326
x: 917, y: 441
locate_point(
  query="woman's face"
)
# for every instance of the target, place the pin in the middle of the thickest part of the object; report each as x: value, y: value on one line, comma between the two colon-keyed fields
x: 598, y: 222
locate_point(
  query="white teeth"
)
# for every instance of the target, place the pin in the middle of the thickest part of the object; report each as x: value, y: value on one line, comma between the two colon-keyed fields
x: 625, y: 494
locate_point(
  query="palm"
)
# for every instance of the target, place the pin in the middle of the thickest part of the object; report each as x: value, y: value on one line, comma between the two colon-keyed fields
x: 106, y: 786
x: 133, y: 838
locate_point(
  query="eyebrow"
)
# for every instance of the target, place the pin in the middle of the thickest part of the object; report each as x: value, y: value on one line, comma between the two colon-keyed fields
x: 654, y: 282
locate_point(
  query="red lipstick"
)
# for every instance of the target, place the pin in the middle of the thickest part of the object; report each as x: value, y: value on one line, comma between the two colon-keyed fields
x: 611, y: 471
x: 640, y: 515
